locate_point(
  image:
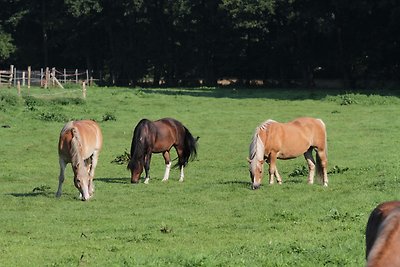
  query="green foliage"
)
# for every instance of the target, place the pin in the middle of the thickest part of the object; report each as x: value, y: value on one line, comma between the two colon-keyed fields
x: 7, y: 101
x: 213, y: 218
x: 122, y: 159
x: 52, y: 116
x: 6, y: 44
x: 299, y: 171
x: 109, y: 117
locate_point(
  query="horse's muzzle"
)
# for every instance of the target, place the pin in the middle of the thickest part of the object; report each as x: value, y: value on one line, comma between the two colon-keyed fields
x: 255, y: 186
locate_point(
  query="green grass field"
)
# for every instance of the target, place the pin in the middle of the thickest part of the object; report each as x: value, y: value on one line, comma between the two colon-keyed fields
x: 212, y: 218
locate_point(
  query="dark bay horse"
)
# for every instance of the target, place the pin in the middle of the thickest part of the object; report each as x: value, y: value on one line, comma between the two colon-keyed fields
x: 80, y: 144
x: 273, y: 140
x: 382, y: 235
x: 159, y: 137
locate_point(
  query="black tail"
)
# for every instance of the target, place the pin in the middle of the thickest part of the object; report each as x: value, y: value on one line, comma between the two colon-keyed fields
x: 189, y: 148
x: 138, y: 146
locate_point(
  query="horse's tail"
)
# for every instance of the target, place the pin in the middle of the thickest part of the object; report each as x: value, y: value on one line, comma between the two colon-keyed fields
x: 189, y: 152
x: 75, y: 146
x: 138, y: 146
x: 319, y: 167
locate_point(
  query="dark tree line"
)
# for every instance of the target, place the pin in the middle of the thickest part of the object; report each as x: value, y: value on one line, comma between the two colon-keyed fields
x: 182, y: 41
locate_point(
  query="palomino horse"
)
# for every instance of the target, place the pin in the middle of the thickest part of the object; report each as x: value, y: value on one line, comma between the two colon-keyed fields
x: 382, y: 235
x: 273, y: 140
x: 159, y: 137
x: 80, y: 144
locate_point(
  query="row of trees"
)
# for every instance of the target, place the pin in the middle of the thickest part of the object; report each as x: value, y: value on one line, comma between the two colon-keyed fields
x: 187, y: 40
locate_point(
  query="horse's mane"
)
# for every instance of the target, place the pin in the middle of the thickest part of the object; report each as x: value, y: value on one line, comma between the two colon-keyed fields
x: 75, y: 142
x: 385, y: 237
x: 138, y: 147
x: 257, y: 146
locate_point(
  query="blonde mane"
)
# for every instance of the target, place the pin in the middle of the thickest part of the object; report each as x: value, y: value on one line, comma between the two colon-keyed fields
x: 76, y: 145
x: 257, y: 146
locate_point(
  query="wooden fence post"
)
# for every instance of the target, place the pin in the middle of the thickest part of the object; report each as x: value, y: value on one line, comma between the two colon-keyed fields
x: 23, y: 78
x: 87, y: 77
x: 53, y: 76
x: 76, y: 76
x: 15, y: 77
x: 84, y: 90
x: 11, y: 75
x: 29, y: 77
x: 19, y: 88
x: 47, y: 79
x: 65, y: 76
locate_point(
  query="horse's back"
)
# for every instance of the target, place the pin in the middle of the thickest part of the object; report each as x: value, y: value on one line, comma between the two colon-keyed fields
x: 312, y: 129
x: 89, y: 135
x: 375, y: 220
x: 295, y: 137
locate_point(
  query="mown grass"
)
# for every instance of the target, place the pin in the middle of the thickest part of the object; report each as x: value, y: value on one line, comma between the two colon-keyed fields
x: 212, y: 218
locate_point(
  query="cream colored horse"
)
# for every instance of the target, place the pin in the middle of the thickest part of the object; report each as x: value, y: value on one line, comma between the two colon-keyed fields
x: 273, y: 140
x: 80, y: 144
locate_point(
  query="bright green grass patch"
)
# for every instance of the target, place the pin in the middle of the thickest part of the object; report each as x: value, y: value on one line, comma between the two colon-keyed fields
x: 212, y: 218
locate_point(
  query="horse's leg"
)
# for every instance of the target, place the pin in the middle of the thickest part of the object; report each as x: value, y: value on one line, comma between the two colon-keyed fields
x: 272, y: 168
x: 182, y: 175
x: 278, y: 176
x: 61, y: 177
x: 181, y: 162
x: 147, y: 160
x: 167, y: 160
x: 92, y: 161
x: 324, y: 165
x: 311, y: 165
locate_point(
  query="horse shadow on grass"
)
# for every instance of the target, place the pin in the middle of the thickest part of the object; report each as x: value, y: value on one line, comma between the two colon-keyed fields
x: 238, y: 183
x: 116, y: 180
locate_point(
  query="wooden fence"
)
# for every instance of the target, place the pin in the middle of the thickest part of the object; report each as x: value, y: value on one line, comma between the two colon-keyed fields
x: 44, y: 77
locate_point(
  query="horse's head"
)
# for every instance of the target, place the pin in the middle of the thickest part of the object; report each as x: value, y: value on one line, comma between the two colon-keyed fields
x: 136, y: 170
x: 82, y: 179
x: 256, y: 172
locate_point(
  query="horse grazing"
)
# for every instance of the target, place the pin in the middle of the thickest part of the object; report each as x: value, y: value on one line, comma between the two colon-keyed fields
x: 159, y: 137
x: 382, y: 235
x: 273, y: 140
x: 80, y: 144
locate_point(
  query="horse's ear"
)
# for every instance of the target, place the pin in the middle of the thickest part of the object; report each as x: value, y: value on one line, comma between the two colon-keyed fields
x: 197, y: 138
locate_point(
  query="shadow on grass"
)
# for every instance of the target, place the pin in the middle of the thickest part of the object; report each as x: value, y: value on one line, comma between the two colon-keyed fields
x: 42, y: 190
x: 242, y: 184
x: 114, y: 180
x: 33, y: 194
x: 271, y: 93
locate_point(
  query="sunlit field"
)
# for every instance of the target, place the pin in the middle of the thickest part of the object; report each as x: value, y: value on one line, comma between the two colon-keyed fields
x: 213, y: 218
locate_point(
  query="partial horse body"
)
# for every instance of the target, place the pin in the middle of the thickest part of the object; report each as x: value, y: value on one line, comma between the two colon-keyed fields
x: 382, y: 235
x: 273, y: 140
x: 80, y: 144
x: 159, y: 137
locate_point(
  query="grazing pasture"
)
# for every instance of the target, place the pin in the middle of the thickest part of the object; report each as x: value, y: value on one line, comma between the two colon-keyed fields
x: 213, y: 218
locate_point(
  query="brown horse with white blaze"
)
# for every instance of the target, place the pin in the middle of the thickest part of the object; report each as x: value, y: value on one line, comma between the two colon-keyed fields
x: 80, y: 144
x: 382, y: 235
x: 273, y: 140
